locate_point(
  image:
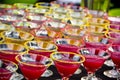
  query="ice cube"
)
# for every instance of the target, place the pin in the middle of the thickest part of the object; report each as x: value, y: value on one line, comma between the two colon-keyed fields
x: 61, y: 41
x: 27, y: 58
x: 104, y: 40
x: 16, y: 76
x: 1, y: 63
x: 57, y: 56
x: 11, y: 68
x: 85, y: 51
x: 12, y: 34
x: 42, y: 33
x: 76, y: 58
x: 33, y: 44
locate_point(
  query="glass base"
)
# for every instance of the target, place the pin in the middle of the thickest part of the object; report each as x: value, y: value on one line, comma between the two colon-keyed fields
x: 111, y: 73
x: 47, y: 73
x: 78, y: 71
x: 92, y: 78
x: 109, y: 63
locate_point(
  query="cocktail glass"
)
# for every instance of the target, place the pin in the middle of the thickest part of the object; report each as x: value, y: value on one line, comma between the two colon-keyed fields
x: 41, y: 34
x: 26, y: 26
x: 114, y: 50
x: 74, y: 33
x: 114, y: 36
x: 7, y: 68
x: 9, y: 51
x: 54, y: 28
x: 114, y: 27
x: 42, y: 48
x: 114, y: 20
x: 94, y: 59
x: 68, y: 44
x: 33, y: 65
x: 64, y: 59
x: 97, y: 41
x: 19, y: 36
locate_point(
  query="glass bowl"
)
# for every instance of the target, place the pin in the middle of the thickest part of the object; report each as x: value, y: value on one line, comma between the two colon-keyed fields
x: 4, y: 27
x: 55, y: 25
x: 113, y: 36
x: 33, y: 65
x: 97, y: 41
x: 7, y: 68
x: 41, y: 47
x: 114, y: 20
x: 11, y: 11
x: 75, y: 22
x: 36, y: 18
x: 26, y: 25
x: 7, y: 18
x: 98, y: 21
x: 41, y: 34
x: 74, y: 33
x: 114, y: 27
x: 17, y: 36
x: 8, y: 51
x: 68, y: 45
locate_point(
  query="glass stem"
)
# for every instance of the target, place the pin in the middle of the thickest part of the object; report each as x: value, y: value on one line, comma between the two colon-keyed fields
x: 90, y: 75
x: 65, y: 78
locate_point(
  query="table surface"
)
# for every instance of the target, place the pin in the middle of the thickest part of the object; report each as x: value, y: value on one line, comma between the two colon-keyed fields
x: 55, y: 75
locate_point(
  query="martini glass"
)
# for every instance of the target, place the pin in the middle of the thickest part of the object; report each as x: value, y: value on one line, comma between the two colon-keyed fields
x: 42, y: 48
x: 95, y: 58
x: 7, y: 68
x: 9, y: 51
x: 115, y: 53
x: 114, y: 50
x: 114, y: 36
x: 97, y: 41
x: 64, y: 59
x: 33, y: 65
x: 68, y: 44
x: 19, y: 36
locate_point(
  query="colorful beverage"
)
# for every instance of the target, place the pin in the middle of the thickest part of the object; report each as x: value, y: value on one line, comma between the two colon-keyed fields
x: 66, y: 69
x: 93, y: 63
x: 115, y: 55
x: 67, y: 63
x: 5, y: 72
x: 33, y: 65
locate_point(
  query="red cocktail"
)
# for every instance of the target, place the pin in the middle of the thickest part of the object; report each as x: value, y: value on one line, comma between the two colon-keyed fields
x: 6, y: 69
x: 68, y: 45
x: 33, y: 65
x: 9, y: 51
x: 115, y: 56
x: 95, y: 58
x: 67, y: 63
x: 97, y: 41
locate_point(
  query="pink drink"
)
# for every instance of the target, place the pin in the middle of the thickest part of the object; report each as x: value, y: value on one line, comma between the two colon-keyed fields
x: 42, y: 52
x: 9, y: 55
x: 67, y: 63
x: 5, y: 74
x: 67, y: 48
x: 32, y: 72
x: 33, y: 65
x: 115, y: 55
x: 93, y: 62
x: 66, y: 69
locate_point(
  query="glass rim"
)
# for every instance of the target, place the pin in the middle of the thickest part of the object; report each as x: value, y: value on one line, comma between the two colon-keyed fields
x: 83, y: 58
x: 12, y: 63
x: 43, y: 49
x: 30, y: 38
x: 33, y: 65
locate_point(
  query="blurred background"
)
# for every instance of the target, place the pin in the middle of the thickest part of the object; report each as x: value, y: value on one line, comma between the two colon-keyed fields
x: 110, y: 6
